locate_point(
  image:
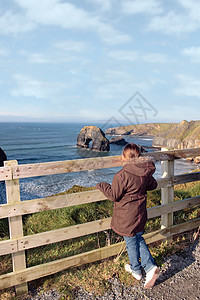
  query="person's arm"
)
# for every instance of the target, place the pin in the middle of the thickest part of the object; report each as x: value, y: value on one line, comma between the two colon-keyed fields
x: 113, y: 192
x: 152, y: 184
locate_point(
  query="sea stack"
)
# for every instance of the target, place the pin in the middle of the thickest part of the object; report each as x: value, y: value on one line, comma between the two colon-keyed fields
x: 94, y: 134
x: 3, y: 157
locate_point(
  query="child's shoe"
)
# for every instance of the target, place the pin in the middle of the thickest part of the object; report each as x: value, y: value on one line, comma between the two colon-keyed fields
x: 151, y: 277
x: 129, y: 270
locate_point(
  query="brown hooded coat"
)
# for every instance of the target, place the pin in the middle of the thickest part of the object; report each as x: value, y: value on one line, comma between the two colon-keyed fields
x: 129, y: 193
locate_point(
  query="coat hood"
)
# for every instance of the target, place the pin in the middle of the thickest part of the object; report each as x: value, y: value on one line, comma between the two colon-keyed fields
x: 140, y: 166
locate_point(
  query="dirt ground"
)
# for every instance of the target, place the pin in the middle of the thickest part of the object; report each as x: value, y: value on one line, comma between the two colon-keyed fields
x: 179, y: 279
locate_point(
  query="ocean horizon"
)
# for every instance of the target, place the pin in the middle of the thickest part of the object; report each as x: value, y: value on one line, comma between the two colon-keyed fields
x: 36, y: 142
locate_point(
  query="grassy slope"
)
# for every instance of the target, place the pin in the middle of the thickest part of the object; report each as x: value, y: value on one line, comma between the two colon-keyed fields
x: 182, y: 131
x: 144, y: 129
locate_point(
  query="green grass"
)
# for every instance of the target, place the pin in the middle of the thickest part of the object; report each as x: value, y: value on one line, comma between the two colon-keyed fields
x: 93, y: 277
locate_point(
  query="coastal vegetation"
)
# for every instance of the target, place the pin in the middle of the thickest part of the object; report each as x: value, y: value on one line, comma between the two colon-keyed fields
x: 181, y: 130
x: 149, y: 129
x: 87, y: 276
x: 172, y: 135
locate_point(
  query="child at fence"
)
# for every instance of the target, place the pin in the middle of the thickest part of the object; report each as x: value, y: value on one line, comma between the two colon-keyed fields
x: 129, y: 193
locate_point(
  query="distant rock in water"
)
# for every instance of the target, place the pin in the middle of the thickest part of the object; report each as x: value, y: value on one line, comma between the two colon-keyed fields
x: 94, y: 134
x: 119, y: 140
x: 3, y: 157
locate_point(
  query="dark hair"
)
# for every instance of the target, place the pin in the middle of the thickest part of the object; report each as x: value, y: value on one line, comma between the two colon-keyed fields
x: 131, y: 150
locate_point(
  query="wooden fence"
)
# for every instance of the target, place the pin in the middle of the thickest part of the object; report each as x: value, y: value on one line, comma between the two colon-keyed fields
x: 15, y: 209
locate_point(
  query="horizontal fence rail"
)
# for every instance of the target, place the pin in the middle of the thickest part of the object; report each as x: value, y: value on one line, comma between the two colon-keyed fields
x: 32, y: 273
x: 50, y: 168
x: 67, y: 200
x: 15, y: 209
x: 58, y: 235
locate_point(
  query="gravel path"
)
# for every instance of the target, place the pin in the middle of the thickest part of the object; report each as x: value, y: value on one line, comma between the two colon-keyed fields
x: 179, y: 279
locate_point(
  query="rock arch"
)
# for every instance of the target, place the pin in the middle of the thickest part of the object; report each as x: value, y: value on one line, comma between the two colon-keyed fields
x: 94, y: 134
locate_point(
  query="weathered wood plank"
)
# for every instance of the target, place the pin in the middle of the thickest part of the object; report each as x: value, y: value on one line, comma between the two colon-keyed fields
x: 57, y: 266
x: 178, y: 179
x: 164, y: 233
x: 53, y: 236
x: 167, y: 193
x: 27, y: 242
x: 164, y: 182
x: 15, y: 226
x: 8, y: 246
x: 156, y: 211
x: 184, y: 153
x: 184, y: 178
x: 5, y: 173
x: 63, y: 234
x: 59, y: 167
x: 49, y: 168
x: 174, y: 154
x: 54, y: 202
x: 60, y: 201
x: 46, y: 269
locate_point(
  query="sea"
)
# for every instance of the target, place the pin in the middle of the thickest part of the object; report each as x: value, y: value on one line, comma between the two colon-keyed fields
x: 31, y: 143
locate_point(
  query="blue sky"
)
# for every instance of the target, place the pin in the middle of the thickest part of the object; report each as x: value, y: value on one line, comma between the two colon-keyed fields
x: 86, y: 60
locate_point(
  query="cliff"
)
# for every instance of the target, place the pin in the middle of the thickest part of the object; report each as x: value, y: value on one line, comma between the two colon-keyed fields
x: 183, y: 135
x: 171, y: 135
x: 150, y: 129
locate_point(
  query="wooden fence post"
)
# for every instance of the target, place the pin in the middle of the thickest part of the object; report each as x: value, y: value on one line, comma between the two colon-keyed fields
x: 16, y: 226
x: 167, y: 194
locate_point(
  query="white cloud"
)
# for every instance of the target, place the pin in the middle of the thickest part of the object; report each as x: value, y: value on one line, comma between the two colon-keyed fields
x: 67, y: 16
x: 112, y: 36
x: 54, y: 58
x: 112, y: 75
x: 57, y: 13
x: 119, y: 90
x: 154, y: 57
x: 181, y: 21
x: 30, y: 87
x: 124, y: 55
x: 37, y: 58
x: 13, y: 23
x: 193, y: 8
x: 188, y: 85
x: 115, y: 85
x: 74, y: 46
x: 193, y: 53
x: 178, y: 112
x: 3, y: 51
x: 133, y: 56
x: 91, y: 113
x: 104, y: 5
x: 141, y: 6
x: 173, y: 23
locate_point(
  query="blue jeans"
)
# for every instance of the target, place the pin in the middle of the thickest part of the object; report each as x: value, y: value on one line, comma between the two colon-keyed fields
x: 137, y: 249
